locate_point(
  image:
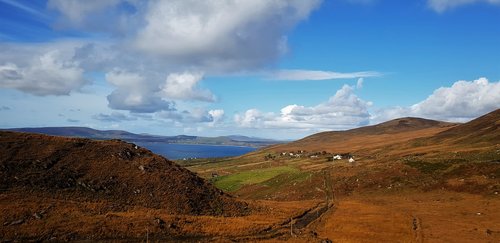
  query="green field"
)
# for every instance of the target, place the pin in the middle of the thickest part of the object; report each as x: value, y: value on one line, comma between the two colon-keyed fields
x: 234, y: 182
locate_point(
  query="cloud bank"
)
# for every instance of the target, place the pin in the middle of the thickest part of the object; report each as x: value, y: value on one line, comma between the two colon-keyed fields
x: 342, y: 111
x: 461, y: 102
x: 49, y: 73
x: 154, y: 53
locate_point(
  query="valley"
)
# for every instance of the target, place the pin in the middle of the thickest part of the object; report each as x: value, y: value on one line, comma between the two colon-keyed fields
x: 409, y: 179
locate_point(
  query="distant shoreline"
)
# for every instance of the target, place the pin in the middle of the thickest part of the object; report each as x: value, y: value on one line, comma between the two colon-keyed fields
x: 215, y: 145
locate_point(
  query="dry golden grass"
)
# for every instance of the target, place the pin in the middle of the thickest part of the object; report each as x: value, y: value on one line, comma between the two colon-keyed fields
x: 414, y: 216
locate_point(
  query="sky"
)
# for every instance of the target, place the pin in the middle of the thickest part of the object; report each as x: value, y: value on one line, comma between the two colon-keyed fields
x: 281, y: 69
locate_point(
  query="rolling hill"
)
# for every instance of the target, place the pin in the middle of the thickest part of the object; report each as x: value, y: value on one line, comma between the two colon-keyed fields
x: 111, y: 171
x: 412, y: 179
x: 485, y: 129
x: 365, y: 138
x: 85, y: 132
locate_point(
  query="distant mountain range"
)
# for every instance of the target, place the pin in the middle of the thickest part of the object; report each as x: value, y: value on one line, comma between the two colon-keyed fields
x: 85, y: 132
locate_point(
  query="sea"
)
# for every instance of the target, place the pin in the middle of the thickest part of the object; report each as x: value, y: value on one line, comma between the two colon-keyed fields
x: 195, y: 151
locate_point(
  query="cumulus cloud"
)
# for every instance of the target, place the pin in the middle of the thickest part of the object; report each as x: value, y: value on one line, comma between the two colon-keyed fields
x: 183, y: 86
x: 113, y: 117
x: 213, y: 34
x: 217, y: 116
x: 228, y: 34
x: 134, y: 93
x: 197, y: 115
x: 463, y: 101
x: 297, y: 74
x: 443, y: 5
x: 49, y: 73
x: 343, y: 110
x: 159, y: 40
x: 254, y: 118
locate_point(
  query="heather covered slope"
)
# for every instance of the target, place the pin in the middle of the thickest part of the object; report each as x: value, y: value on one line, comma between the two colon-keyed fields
x: 370, y: 137
x: 485, y: 130
x: 112, y: 171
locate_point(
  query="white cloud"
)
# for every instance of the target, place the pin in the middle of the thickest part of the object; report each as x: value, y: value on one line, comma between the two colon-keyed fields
x: 152, y: 43
x: 461, y: 102
x: 183, y: 86
x: 217, y: 116
x: 197, y: 115
x: 49, y: 73
x: 135, y: 93
x: 211, y: 35
x: 443, y: 5
x: 343, y: 110
x: 146, y: 94
x: 297, y: 74
x: 228, y: 35
x: 253, y: 118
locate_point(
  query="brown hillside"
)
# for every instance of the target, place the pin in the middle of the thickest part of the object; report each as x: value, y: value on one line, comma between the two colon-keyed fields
x: 112, y: 171
x: 400, y: 125
x: 387, y: 133
x: 484, y: 129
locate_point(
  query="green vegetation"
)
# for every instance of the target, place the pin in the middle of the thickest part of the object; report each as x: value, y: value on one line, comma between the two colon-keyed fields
x: 428, y: 167
x: 287, y: 178
x: 236, y: 181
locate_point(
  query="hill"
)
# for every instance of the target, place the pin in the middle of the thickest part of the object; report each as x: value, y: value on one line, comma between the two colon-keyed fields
x: 362, y: 139
x: 411, y: 180
x: 485, y: 129
x: 85, y: 132
x: 112, y: 171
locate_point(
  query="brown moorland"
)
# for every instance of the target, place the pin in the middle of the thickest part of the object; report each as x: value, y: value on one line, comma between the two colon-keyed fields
x: 413, y: 180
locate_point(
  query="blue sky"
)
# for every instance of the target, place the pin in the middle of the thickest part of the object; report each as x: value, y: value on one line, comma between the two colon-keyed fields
x: 276, y: 69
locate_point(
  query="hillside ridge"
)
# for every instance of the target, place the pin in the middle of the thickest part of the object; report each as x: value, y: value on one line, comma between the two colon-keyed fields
x: 112, y: 171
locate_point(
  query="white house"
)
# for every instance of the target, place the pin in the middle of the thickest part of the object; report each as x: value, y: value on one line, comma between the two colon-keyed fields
x: 351, y: 160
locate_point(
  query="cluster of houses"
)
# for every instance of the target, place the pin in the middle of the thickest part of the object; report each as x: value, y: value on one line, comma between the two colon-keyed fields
x: 312, y: 155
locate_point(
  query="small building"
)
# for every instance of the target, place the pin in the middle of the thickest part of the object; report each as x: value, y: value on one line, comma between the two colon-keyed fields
x: 351, y: 160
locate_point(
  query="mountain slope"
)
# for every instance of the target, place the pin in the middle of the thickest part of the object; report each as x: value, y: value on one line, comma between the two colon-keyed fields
x: 105, y: 171
x: 485, y: 129
x: 391, y: 132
